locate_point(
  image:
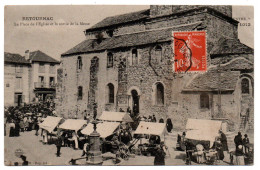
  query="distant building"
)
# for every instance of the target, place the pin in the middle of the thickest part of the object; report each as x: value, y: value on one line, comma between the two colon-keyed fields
x: 29, y: 78
x: 126, y: 61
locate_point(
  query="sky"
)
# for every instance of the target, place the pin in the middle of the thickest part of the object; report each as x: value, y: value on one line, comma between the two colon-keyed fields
x: 57, y: 39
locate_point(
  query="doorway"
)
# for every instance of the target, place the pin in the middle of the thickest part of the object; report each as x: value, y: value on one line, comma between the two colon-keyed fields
x: 135, y: 102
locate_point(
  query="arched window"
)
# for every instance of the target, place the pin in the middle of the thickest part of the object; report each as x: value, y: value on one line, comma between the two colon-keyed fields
x: 111, y: 93
x: 134, y: 57
x: 158, y: 53
x: 245, y: 86
x: 110, y: 60
x: 159, y: 94
x: 80, y: 93
x: 204, y: 101
x: 79, y: 63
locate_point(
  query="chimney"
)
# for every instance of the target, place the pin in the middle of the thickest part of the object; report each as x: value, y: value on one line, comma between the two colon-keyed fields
x: 27, y: 55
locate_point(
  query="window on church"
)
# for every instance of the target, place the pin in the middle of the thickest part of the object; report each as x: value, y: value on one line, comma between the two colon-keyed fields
x: 110, y: 60
x: 245, y: 86
x: 79, y: 63
x: 134, y: 57
x: 159, y: 94
x: 80, y: 93
x: 204, y: 101
x: 158, y: 53
x: 111, y: 94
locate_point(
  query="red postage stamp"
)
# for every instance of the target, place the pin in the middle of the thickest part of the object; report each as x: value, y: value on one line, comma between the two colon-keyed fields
x: 190, y: 51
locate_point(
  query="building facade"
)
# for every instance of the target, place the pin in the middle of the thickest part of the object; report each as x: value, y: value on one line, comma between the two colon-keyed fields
x: 29, y: 78
x: 127, y: 61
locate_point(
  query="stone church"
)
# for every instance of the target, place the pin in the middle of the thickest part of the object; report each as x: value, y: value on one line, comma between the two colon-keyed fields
x: 126, y: 61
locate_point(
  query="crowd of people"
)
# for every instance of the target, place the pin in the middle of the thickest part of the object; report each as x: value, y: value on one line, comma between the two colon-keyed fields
x: 26, y: 118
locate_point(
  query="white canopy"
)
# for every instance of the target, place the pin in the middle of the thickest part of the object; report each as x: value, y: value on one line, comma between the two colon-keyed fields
x: 105, y: 129
x: 151, y: 128
x: 200, y: 129
x: 73, y: 124
x: 50, y: 123
x: 115, y: 116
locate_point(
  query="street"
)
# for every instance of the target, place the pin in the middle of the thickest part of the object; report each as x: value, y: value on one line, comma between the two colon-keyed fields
x: 39, y: 154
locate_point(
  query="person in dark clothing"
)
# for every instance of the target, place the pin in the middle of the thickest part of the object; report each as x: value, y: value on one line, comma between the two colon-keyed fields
x: 161, y: 120
x: 36, y: 128
x: 223, y: 140
x: 154, y: 118
x: 58, y: 146
x: 17, y: 128
x: 129, y: 110
x: 219, y: 148
x: 238, y: 140
x: 159, y: 158
x: 169, y: 125
x: 189, y: 150
x: 245, y: 143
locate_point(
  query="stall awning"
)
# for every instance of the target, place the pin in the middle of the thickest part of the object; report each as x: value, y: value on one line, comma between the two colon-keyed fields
x: 73, y: 124
x: 105, y: 129
x: 115, y: 116
x: 50, y: 123
x: 151, y: 128
x: 202, y: 129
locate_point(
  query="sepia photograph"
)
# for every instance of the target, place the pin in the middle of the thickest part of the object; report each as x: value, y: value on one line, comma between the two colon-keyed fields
x: 128, y: 85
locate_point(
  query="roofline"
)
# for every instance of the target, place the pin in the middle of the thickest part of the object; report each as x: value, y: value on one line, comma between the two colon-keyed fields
x: 206, y: 9
x: 119, y: 24
x: 225, y: 54
x: 129, y: 46
x: 58, y: 62
x: 16, y: 63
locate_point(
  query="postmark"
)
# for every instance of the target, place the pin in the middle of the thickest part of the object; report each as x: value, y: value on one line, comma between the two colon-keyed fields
x: 190, y: 51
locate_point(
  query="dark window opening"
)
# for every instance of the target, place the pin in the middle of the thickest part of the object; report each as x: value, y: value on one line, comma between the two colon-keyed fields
x: 80, y: 93
x: 111, y: 91
x: 204, y: 101
x: 245, y: 86
x: 159, y: 94
x: 110, y: 60
x: 79, y: 63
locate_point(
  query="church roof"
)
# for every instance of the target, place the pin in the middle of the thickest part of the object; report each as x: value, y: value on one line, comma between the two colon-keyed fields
x: 230, y: 46
x: 39, y: 56
x: 128, y: 40
x: 14, y: 58
x: 214, y: 81
x: 121, y: 19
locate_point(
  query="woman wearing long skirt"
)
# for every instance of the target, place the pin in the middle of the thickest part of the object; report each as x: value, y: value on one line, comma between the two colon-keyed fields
x: 240, y: 160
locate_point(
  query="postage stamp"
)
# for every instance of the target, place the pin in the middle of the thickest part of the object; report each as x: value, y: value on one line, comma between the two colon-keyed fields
x: 190, y: 51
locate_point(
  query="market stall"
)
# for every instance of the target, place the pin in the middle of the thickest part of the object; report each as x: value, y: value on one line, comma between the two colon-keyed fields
x: 115, y: 117
x: 201, y: 133
x: 154, y: 132
x: 49, y: 126
x: 203, y: 130
x: 70, y: 130
x: 106, y: 131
